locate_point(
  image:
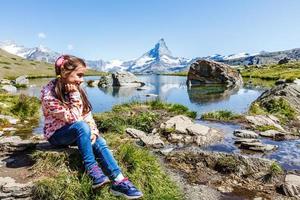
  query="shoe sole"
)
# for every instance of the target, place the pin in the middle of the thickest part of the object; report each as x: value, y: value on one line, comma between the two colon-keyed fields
x: 101, y: 184
x: 116, y: 193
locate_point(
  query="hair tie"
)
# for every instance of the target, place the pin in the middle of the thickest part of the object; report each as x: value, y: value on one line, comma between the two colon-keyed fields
x: 59, y: 62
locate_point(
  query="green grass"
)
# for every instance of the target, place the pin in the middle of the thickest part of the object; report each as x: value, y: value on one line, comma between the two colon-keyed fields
x: 142, y: 116
x: 288, y: 71
x: 266, y: 128
x: 278, y: 107
x: 19, y: 66
x: 221, y: 115
x: 70, y: 182
x: 20, y: 106
x: 176, y: 74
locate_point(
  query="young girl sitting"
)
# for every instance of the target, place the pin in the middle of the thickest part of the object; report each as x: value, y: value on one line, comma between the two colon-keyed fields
x: 68, y: 120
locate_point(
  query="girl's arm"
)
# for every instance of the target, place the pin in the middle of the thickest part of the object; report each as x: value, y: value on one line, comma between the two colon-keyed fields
x: 91, y: 122
x: 68, y: 113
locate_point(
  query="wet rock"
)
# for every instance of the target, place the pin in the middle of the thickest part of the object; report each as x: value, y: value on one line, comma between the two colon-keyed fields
x: 143, y: 88
x: 257, y: 146
x: 261, y: 120
x: 273, y: 134
x: 10, y: 119
x: 9, y: 88
x: 245, y: 134
x: 181, y: 129
x: 247, y: 140
x: 9, y: 189
x: 291, y: 185
x: 22, y: 80
x: 211, y: 72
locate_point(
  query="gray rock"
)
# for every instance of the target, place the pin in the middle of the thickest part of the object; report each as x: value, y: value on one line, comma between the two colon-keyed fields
x: 245, y: 134
x: 150, y: 140
x: 105, y: 81
x: 261, y: 120
x: 126, y: 79
x: 22, y: 80
x: 10, y: 119
x: 166, y: 151
x: 14, y: 143
x: 9, y: 188
x: 9, y: 88
x: 135, y: 133
x: 272, y: 134
x: 211, y: 72
x: 153, y: 141
x: 182, y: 129
x: 291, y: 185
x: 5, y: 82
x: 243, y: 140
x: 257, y: 146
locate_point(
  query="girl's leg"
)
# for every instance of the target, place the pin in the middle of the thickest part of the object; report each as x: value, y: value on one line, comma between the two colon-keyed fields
x: 80, y: 133
x: 106, y: 160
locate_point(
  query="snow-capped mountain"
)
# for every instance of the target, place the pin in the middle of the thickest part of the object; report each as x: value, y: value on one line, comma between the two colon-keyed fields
x: 13, y: 48
x: 40, y: 53
x: 158, y: 59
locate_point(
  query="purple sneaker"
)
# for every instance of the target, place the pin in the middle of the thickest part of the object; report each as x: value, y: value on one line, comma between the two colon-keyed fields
x: 125, y: 188
x: 97, y: 176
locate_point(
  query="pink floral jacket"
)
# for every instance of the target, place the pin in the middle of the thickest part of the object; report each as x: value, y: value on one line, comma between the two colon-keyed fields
x: 57, y: 114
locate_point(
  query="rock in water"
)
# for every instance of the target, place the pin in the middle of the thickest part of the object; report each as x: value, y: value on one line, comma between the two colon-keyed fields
x: 210, y: 72
x: 126, y: 79
x: 245, y: 134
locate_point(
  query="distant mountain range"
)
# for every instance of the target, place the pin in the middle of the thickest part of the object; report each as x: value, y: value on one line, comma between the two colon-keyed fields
x: 159, y: 59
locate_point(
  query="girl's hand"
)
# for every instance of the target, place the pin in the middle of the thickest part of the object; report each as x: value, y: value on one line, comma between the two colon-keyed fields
x: 71, y: 88
x: 93, y: 138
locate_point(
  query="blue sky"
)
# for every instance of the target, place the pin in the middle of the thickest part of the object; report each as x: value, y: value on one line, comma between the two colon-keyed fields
x: 125, y: 29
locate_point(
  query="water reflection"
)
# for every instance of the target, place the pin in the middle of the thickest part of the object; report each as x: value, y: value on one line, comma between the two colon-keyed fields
x: 211, y: 93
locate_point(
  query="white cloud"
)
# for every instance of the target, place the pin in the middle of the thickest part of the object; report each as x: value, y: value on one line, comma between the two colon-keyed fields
x: 70, y: 47
x: 42, y: 35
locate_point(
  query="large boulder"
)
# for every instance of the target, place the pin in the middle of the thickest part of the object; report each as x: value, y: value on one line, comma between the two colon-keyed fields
x: 9, y: 189
x: 211, y: 72
x: 181, y: 129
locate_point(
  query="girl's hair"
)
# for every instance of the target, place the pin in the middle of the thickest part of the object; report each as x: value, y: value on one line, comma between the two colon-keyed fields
x: 69, y: 63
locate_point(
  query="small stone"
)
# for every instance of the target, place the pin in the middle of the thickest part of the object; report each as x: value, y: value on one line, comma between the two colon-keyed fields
x: 166, y: 151
x: 272, y: 134
x: 258, y: 146
x: 243, y: 140
x: 245, y: 134
x: 135, y: 133
x: 151, y: 95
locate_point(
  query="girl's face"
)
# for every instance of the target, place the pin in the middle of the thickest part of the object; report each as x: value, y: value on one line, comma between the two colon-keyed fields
x: 76, y: 76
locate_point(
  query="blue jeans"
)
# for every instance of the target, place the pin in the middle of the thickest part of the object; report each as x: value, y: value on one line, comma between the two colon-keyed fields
x: 79, y: 133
